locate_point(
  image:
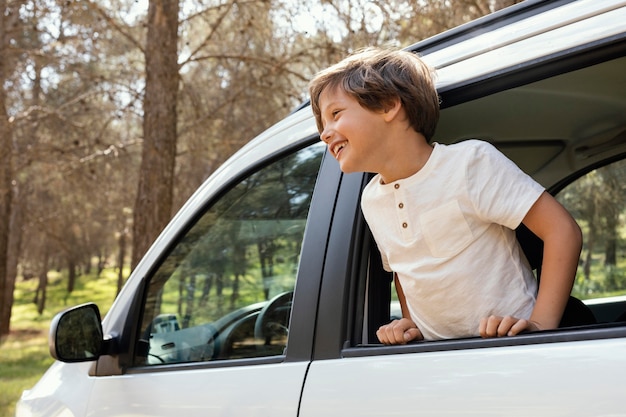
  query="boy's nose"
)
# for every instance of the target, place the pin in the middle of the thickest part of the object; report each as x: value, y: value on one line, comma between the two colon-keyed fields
x: 326, y: 135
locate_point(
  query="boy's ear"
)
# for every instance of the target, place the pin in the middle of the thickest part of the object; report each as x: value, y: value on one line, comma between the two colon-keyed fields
x: 392, y: 109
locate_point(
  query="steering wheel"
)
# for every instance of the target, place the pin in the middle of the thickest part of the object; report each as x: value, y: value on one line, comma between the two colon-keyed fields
x: 271, y: 319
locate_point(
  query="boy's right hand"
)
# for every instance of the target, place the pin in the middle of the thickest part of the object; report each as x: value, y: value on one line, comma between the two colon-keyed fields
x: 399, y: 332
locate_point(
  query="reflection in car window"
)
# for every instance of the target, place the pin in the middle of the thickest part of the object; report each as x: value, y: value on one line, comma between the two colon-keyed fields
x: 598, y: 202
x: 224, y: 292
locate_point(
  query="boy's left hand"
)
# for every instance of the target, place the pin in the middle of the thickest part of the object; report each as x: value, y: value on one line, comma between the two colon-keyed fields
x: 399, y: 332
x: 496, y: 326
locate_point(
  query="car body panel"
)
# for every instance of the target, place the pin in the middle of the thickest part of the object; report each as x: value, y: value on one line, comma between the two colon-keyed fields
x: 498, y: 381
x: 255, y: 390
x: 57, y: 394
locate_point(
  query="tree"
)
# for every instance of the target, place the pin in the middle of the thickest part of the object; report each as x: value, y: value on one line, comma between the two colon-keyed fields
x: 8, y: 26
x: 614, y: 195
x: 596, y: 200
x: 153, y: 206
x: 65, y: 111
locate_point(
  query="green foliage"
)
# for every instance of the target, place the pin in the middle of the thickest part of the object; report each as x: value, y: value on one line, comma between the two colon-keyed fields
x: 597, y: 201
x: 24, y: 355
x: 603, y: 281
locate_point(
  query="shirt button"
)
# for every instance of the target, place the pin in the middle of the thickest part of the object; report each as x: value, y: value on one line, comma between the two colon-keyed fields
x: 396, y: 186
x: 401, y: 205
x: 405, y: 225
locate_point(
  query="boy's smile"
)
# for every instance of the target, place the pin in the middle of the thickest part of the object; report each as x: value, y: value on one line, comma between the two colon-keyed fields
x: 337, y: 148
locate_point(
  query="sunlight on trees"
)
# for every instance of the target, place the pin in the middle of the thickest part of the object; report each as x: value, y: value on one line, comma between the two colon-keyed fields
x: 73, y: 108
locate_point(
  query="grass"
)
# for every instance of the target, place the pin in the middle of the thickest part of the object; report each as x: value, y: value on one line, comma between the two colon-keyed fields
x: 604, y: 281
x: 24, y: 355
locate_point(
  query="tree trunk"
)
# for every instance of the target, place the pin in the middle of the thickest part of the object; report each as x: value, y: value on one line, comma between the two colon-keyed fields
x: 610, y: 251
x: 71, y: 274
x: 589, y: 256
x: 153, y: 205
x: 6, y: 284
x: 6, y: 168
x: 612, y: 211
x: 120, y: 260
x: 41, y: 294
x: 15, y: 243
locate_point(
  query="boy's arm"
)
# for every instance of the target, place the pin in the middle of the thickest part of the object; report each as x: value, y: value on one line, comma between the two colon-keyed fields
x: 562, y: 243
x: 401, y: 331
x: 401, y: 297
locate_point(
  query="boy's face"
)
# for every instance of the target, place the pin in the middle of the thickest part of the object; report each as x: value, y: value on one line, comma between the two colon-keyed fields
x: 355, y: 135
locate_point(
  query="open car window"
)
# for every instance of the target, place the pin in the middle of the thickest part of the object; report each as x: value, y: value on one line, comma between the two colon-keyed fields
x: 225, y: 289
x: 554, y: 129
x: 597, y: 201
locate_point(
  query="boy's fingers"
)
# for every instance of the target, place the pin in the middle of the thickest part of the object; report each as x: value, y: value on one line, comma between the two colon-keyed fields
x: 385, y: 334
x: 412, y: 334
x: 381, y: 334
x: 517, y: 327
x: 398, y: 332
x: 489, y: 326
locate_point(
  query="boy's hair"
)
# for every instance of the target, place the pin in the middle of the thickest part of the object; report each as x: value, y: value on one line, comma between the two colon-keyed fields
x: 375, y: 77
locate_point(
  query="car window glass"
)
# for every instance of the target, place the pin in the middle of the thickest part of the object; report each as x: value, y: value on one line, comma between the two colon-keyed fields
x: 597, y: 200
x: 224, y: 291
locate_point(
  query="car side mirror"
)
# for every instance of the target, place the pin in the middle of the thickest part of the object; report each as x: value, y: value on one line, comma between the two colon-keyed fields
x: 76, y: 334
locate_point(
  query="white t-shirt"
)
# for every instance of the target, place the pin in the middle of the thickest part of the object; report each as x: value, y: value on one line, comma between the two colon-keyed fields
x: 448, y: 233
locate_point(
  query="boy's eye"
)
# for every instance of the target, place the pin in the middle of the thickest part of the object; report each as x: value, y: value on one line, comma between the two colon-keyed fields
x: 335, y: 113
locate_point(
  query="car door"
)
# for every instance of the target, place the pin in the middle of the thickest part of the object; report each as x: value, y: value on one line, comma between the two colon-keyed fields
x: 214, y: 324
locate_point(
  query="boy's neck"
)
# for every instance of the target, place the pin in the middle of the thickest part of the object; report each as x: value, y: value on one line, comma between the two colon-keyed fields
x: 408, y: 157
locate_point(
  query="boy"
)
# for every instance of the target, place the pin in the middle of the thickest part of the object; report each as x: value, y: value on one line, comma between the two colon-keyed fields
x: 443, y: 217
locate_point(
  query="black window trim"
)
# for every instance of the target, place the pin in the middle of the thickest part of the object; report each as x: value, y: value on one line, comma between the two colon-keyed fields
x: 573, y: 334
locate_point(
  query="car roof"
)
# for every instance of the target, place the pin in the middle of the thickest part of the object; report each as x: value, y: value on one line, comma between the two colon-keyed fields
x: 529, y: 31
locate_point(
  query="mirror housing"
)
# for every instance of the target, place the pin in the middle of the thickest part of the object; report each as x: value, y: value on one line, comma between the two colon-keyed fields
x: 76, y: 334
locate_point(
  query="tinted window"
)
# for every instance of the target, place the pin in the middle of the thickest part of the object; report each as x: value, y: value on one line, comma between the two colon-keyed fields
x: 225, y: 290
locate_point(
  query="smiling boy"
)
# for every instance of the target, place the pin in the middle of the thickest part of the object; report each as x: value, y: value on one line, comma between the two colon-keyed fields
x: 443, y: 216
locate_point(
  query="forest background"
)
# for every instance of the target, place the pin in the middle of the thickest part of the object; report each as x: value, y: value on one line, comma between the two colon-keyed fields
x: 112, y: 112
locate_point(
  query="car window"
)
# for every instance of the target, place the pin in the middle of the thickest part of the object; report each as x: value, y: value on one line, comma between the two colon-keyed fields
x: 598, y: 202
x: 224, y: 291
x: 533, y: 131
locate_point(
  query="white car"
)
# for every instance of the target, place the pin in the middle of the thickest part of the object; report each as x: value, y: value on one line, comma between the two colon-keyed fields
x: 262, y: 296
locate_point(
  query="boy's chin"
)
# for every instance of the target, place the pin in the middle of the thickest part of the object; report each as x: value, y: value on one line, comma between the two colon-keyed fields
x: 347, y: 169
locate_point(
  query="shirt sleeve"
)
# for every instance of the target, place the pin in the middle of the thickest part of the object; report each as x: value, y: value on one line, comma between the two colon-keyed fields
x: 500, y: 191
